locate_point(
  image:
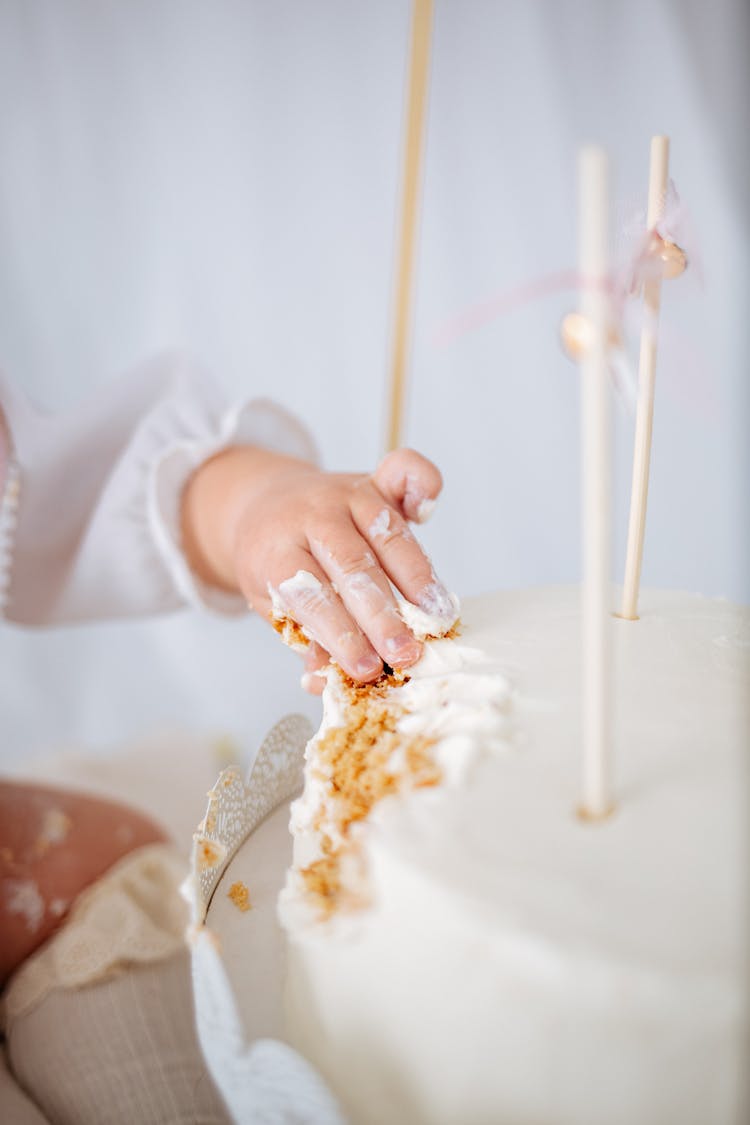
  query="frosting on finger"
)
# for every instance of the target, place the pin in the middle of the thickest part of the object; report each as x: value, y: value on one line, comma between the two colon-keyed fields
x: 436, y: 614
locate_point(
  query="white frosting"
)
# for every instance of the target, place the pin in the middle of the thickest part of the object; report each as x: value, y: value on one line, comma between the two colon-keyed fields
x: 302, y: 590
x: 461, y: 700
x: 425, y: 508
x: 455, y: 696
x: 302, y: 586
x: 305, y: 809
x: 22, y: 897
x: 380, y: 525
x: 436, y: 615
x: 515, y: 963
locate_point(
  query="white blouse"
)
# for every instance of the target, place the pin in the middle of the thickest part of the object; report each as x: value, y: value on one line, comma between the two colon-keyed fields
x: 90, y: 522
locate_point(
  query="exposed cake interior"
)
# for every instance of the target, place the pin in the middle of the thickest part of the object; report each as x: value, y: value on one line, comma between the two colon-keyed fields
x: 383, y: 740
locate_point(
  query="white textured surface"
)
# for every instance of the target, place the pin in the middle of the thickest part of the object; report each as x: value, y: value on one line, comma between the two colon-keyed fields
x: 223, y: 178
x: 520, y: 965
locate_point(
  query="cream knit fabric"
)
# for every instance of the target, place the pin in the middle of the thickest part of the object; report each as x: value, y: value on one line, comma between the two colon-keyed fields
x: 99, y: 1023
x: 120, y: 1051
x: 132, y: 915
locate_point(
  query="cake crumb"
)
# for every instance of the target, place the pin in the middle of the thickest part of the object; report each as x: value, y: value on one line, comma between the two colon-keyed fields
x: 56, y: 825
x: 357, y: 762
x: 290, y: 633
x: 322, y: 881
x: 209, y: 853
x: 451, y: 635
x: 240, y: 896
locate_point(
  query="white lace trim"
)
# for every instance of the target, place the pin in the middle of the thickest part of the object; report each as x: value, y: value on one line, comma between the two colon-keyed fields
x: 133, y: 914
x: 236, y: 808
x: 8, y: 518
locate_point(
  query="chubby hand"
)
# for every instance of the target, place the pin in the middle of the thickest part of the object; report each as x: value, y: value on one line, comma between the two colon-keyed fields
x: 323, y: 548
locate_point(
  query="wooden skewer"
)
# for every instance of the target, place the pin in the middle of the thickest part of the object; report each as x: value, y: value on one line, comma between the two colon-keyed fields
x: 410, y: 183
x: 657, y: 190
x: 596, y: 471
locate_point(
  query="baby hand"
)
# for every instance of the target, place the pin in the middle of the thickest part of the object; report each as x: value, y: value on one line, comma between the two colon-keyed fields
x: 319, y: 548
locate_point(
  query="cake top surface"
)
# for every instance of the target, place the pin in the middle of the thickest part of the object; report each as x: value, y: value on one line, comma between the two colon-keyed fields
x: 496, y: 834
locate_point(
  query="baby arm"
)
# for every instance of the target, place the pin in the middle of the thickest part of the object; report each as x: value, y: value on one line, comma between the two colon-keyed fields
x: 322, y: 547
x: 96, y: 516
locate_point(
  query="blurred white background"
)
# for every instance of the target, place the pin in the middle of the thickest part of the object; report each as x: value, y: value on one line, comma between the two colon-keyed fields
x: 223, y: 178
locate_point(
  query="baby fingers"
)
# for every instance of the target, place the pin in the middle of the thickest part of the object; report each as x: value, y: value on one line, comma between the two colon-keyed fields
x: 316, y: 659
x: 401, y: 557
x: 299, y: 589
x: 409, y: 482
x: 365, y: 591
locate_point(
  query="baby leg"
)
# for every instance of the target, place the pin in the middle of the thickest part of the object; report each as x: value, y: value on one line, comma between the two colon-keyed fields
x: 54, y: 844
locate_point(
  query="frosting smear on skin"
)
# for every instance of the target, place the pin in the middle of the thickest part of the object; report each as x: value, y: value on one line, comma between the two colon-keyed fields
x: 434, y: 617
x: 302, y: 588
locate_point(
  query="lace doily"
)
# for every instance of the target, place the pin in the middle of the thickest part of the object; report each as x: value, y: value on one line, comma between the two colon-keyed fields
x: 262, y: 1080
x: 236, y: 808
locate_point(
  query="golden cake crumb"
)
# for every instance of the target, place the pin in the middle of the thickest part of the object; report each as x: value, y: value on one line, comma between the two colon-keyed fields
x: 453, y: 632
x: 358, y: 761
x: 290, y: 632
x: 322, y: 881
x: 209, y: 852
x: 240, y: 896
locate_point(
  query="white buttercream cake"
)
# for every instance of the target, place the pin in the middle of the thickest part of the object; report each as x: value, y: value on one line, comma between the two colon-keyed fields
x: 462, y: 947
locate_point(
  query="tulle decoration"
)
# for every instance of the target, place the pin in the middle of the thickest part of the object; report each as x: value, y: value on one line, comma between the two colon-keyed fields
x: 640, y: 252
x: 641, y: 255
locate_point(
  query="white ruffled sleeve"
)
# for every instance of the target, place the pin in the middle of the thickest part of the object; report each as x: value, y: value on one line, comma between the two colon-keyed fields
x: 98, y: 528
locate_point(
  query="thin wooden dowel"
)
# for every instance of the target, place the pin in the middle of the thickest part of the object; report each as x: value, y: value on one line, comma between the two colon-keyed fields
x: 657, y: 190
x: 419, y: 65
x: 596, y: 471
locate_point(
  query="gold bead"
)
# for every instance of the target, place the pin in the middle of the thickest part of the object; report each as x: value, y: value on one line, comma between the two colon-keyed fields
x: 575, y: 333
x: 673, y: 259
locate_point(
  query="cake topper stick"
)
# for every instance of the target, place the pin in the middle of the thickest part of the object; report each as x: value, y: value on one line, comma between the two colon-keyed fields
x: 657, y: 191
x: 410, y: 184
x: 596, y: 433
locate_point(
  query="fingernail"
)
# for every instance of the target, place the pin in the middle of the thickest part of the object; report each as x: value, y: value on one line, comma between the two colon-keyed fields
x: 425, y: 508
x: 369, y: 666
x: 436, y: 600
x: 307, y: 682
